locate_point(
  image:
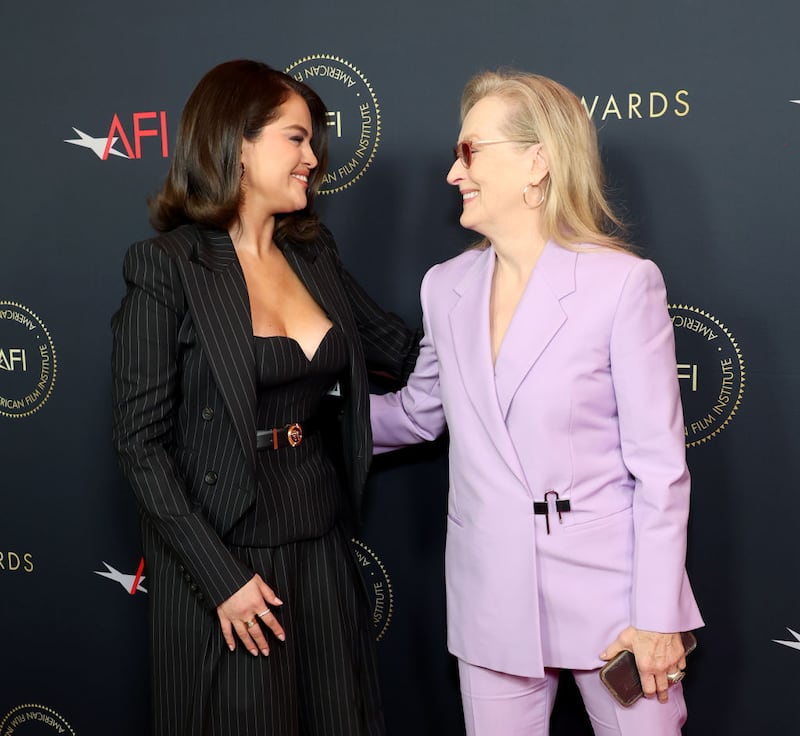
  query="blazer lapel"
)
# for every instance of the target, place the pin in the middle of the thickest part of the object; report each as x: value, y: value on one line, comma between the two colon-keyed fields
x: 538, y: 317
x: 315, y: 274
x: 318, y: 275
x: 217, y: 296
x: 318, y: 272
x: 469, y: 324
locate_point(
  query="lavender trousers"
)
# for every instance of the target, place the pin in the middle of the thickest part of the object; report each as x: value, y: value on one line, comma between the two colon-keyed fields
x: 498, y: 703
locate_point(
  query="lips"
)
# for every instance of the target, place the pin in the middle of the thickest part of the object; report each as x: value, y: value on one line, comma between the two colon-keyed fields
x: 301, y: 178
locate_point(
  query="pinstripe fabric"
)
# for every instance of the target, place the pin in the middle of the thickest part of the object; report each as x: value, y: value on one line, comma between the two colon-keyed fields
x: 300, y: 490
x: 323, y: 681
x: 184, y: 428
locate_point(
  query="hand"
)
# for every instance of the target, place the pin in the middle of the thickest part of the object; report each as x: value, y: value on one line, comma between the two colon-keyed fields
x: 656, y: 656
x: 250, y: 603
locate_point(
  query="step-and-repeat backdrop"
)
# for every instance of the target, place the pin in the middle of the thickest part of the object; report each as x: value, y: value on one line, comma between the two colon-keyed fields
x: 698, y: 111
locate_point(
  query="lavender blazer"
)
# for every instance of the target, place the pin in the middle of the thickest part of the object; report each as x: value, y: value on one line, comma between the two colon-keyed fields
x: 583, y: 400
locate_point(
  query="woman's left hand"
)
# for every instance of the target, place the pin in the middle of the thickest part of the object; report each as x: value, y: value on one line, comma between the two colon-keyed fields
x: 657, y: 655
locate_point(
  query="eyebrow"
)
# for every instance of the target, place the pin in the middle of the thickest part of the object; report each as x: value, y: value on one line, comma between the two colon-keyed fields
x: 296, y: 126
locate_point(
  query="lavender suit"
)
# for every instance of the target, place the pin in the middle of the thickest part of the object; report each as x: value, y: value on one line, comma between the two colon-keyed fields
x: 583, y: 400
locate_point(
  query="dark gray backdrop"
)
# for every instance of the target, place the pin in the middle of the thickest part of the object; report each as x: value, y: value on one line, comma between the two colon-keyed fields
x: 710, y: 188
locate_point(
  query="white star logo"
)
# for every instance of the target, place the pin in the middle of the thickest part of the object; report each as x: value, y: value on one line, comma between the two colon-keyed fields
x: 791, y: 644
x: 98, y: 145
x: 131, y: 583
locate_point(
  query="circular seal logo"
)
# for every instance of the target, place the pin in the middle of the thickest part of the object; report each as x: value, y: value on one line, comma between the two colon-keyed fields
x: 32, y: 720
x: 27, y: 361
x: 710, y: 372
x: 378, y: 585
x: 354, y: 119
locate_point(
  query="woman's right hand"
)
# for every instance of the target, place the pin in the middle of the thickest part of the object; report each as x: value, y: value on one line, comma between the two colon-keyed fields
x: 243, y: 613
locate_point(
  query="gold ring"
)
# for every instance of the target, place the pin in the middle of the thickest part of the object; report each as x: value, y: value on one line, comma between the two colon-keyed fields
x: 251, y: 623
x: 674, y: 677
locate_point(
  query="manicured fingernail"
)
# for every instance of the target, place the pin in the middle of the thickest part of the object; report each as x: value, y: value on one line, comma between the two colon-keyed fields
x: 254, y: 652
x: 278, y: 602
x: 265, y: 652
x: 231, y: 647
x: 282, y: 637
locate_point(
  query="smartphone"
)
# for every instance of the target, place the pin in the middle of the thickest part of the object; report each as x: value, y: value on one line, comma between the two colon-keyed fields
x: 621, y: 677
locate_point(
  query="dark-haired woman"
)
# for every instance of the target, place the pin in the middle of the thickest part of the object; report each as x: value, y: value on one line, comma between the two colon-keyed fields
x: 238, y: 329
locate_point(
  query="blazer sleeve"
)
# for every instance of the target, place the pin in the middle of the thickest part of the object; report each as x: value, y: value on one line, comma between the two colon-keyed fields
x: 390, y: 346
x: 644, y: 375
x: 415, y: 413
x: 146, y: 389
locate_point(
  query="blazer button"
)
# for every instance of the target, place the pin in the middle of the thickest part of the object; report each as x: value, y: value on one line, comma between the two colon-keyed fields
x: 210, y: 478
x: 207, y: 413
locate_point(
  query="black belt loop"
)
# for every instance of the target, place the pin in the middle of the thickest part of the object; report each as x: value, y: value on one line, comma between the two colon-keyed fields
x: 543, y: 508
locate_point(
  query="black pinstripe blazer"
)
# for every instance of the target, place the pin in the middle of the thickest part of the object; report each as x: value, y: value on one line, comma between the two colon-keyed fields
x: 185, y: 395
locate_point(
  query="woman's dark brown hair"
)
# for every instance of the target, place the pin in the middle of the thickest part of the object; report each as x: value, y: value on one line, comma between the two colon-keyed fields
x: 232, y: 103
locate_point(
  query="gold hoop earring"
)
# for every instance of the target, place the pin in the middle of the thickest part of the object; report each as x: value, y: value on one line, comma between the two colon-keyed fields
x: 527, y: 204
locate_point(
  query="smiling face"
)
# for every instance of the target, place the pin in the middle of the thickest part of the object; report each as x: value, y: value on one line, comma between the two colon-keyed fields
x: 277, y: 164
x: 491, y: 188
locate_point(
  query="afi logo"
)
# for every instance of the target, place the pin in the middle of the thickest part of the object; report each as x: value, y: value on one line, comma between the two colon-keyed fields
x: 10, y: 358
x: 792, y: 644
x: 691, y: 375
x: 335, y: 121
x: 142, y: 125
x: 131, y: 583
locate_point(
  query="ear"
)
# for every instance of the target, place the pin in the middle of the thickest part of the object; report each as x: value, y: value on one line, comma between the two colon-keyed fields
x: 245, y: 150
x: 245, y: 155
x: 539, y: 166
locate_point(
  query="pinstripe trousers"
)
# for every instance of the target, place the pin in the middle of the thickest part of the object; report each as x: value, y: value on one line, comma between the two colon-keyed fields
x: 323, y: 680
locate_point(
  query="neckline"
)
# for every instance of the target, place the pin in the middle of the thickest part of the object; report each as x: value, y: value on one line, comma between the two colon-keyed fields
x: 293, y: 341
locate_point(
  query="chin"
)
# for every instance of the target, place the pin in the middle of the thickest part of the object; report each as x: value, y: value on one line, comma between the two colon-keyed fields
x: 298, y: 205
x: 468, y: 222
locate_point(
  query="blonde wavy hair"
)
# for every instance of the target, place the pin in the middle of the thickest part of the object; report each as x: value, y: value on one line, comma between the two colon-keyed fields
x: 575, y: 209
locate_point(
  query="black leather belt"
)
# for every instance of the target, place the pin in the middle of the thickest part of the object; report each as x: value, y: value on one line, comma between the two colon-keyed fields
x: 289, y: 435
x: 543, y: 508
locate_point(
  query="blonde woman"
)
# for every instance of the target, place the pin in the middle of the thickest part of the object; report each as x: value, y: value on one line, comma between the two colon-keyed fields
x: 549, y: 355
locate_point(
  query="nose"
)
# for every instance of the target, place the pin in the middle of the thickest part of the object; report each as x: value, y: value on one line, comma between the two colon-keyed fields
x: 456, y: 173
x: 310, y: 158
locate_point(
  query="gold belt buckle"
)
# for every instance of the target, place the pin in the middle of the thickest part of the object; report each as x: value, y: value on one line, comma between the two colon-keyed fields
x: 294, y: 434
